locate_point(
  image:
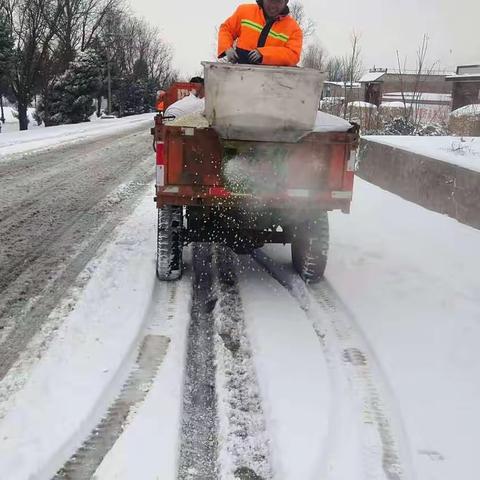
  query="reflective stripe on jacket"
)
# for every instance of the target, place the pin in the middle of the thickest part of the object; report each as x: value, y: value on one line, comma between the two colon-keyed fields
x: 283, y: 44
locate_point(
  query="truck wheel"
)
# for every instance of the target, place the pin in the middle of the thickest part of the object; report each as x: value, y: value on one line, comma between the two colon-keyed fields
x: 310, y: 248
x: 169, y: 243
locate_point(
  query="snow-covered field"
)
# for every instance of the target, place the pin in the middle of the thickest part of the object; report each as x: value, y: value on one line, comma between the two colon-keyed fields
x: 461, y: 151
x: 409, y: 292
x: 36, y: 139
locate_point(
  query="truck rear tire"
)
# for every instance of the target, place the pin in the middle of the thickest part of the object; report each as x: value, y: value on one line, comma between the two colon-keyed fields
x: 169, y: 243
x: 310, y: 248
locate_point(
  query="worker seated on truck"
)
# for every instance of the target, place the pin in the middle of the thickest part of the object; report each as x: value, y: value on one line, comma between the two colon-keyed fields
x: 160, y: 103
x: 261, y: 34
x: 193, y: 103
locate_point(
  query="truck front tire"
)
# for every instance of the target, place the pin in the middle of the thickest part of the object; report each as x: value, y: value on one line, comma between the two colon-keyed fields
x: 169, y: 243
x: 310, y: 248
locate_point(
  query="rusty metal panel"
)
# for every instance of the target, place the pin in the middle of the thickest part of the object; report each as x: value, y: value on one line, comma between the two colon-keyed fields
x: 194, y: 156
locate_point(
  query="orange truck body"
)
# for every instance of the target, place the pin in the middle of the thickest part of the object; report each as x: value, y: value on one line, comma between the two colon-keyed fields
x: 319, y: 170
x: 245, y: 194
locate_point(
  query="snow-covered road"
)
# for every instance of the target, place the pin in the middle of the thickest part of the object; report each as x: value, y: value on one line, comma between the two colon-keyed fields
x: 373, y: 374
x: 56, y: 208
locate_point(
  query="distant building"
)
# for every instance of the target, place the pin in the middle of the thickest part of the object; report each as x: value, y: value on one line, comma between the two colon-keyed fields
x: 352, y: 91
x: 383, y: 85
x: 465, y: 86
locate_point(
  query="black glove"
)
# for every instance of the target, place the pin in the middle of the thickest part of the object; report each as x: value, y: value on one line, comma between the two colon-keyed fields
x: 255, y: 57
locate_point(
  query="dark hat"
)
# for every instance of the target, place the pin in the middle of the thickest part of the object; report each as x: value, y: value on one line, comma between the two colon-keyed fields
x: 197, y: 80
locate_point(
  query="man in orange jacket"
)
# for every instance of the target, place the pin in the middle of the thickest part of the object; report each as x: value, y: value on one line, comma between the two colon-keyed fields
x: 264, y: 33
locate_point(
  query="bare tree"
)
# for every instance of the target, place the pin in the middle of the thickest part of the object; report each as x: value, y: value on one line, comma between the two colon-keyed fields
x: 411, y: 91
x: 78, y: 24
x: 49, y: 34
x: 32, y: 37
x: 140, y: 58
x: 334, y: 68
x: 315, y: 56
x: 307, y: 24
x: 352, y: 68
x: 130, y: 40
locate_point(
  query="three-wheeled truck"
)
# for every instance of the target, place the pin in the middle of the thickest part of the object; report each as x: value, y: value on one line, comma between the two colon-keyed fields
x: 264, y: 170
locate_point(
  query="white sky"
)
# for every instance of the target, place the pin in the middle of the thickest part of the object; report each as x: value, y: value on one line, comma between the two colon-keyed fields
x: 384, y: 25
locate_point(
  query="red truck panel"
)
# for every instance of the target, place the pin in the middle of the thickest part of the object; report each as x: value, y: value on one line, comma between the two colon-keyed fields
x: 178, y: 91
x: 194, y: 156
x: 318, y: 167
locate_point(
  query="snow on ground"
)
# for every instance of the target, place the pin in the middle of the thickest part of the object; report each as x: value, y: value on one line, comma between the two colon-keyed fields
x: 11, y: 122
x: 408, y: 275
x: 148, y: 448
x: 10, y: 115
x: 87, y: 362
x: 410, y: 278
x: 292, y: 374
x: 360, y: 104
x: 467, y: 111
x: 43, y: 138
x: 385, y: 105
x: 418, y: 96
x: 461, y: 151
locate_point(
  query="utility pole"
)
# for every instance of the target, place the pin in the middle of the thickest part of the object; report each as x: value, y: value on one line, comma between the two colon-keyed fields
x: 109, y: 81
x: 2, y: 116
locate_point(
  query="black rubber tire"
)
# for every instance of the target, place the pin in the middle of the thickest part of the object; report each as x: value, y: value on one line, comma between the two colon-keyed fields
x: 310, y: 248
x: 169, y: 243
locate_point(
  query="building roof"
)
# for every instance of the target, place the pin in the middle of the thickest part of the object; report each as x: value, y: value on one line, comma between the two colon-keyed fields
x: 465, y: 77
x: 464, y: 69
x: 372, y: 77
x: 465, y: 73
x: 343, y: 84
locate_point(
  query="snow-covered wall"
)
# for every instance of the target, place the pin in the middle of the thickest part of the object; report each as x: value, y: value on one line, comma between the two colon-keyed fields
x: 437, y: 184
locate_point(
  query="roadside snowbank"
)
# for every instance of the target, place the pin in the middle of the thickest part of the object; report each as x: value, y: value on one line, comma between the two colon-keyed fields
x: 44, y: 138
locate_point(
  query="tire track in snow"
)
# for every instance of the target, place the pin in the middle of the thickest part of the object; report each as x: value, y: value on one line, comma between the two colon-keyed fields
x: 244, y: 450
x: 198, y: 447
x: 83, y: 464
x: 381, y: 437
x: 355, y: 370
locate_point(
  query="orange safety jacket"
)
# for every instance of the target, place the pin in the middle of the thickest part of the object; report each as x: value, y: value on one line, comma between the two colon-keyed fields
x: 279, y: 43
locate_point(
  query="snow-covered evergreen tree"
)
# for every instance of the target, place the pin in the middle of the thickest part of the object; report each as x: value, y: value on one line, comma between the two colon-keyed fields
x: 6, y: 57
x: 6, y: 46
x: 72, y: 98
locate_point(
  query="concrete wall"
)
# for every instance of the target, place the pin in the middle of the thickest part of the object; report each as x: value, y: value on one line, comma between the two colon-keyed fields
x: 436, y: 185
